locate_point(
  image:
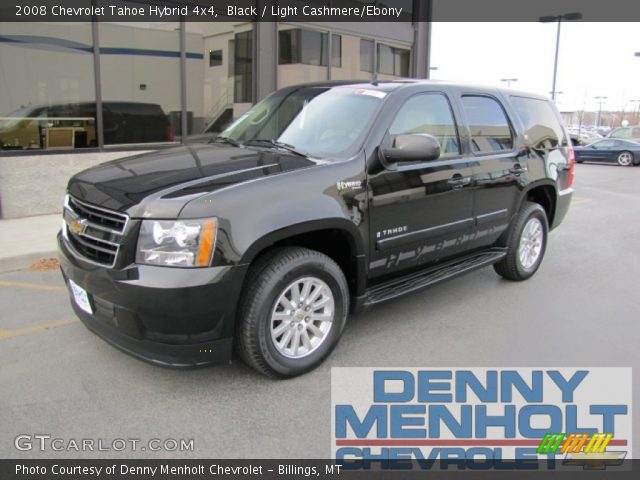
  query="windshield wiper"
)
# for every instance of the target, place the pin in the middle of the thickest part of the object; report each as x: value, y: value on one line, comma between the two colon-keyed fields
x: 220, y: 139
x: 270, y: 142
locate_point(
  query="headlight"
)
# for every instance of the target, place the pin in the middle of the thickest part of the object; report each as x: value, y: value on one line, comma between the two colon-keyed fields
x: 179, y: 243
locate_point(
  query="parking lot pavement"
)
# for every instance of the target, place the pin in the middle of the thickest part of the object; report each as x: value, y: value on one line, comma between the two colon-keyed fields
x: 581, y: 309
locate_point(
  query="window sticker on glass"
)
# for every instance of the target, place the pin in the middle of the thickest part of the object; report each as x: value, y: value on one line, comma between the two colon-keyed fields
x: 371, y: 93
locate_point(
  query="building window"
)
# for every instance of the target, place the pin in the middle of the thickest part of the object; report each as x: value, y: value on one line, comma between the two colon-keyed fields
x: 308, y: 47
x: 130, y: 55
x: 488, y: 123
x: 215, y: 58
x: 366, y: 55
x: 243, y: 67
x: 336, y: 54
x: 47, y: 92
x: 393, y: 61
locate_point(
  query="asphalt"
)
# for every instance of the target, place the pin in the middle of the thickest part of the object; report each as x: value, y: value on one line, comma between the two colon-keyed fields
x: 580, y: 309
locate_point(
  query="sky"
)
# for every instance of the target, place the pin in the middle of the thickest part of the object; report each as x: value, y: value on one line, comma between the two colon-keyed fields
x: 595, y: 59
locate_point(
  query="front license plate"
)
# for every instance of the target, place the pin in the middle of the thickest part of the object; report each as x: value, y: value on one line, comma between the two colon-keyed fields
x: 80, y: 296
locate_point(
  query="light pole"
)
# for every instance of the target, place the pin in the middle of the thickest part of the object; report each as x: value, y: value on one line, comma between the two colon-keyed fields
x: 600, y: 102
x: 508, y: 80
x: 559, y: 19
x: 635, y: 115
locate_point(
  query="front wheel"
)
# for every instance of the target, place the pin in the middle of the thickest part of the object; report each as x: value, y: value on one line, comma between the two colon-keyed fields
x: 526, y: 242
x: 292, y: 312
x: 625, y: 159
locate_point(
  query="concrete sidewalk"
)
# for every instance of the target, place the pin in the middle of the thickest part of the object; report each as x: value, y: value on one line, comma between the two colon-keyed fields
x: 24, y: 241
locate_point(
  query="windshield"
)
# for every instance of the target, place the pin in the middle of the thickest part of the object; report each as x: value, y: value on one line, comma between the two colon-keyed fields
x: 319, y: 121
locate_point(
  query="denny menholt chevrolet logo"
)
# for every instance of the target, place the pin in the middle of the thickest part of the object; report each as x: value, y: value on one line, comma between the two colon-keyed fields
x: 468, y: 418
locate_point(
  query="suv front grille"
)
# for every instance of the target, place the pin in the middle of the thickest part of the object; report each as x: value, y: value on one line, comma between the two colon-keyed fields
x: 93, y: 233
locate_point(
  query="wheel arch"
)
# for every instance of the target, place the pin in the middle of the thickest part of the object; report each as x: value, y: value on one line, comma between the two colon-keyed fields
x: 328, y: 236
x: 543, y: 193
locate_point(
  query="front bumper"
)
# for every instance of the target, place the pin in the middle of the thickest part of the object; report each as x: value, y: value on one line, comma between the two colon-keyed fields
x: 173, y: 317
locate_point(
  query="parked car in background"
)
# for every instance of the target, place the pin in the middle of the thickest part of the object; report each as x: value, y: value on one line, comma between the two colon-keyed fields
x: 624, y: 152
x: 73, y: 125
x: 626, y: 133
x: 583, y: 137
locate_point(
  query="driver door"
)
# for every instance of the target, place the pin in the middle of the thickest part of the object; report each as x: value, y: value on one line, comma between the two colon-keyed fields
x: 421, y: 213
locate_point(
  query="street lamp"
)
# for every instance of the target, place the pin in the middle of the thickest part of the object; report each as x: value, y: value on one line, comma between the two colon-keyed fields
x: 600, y: 102
x: 637, y: 102
x: 508, y: 80
x: 559, y: 19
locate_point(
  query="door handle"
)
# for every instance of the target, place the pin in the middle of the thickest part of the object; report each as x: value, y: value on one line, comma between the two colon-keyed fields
x: 517, y: 169
x: 459, y: 181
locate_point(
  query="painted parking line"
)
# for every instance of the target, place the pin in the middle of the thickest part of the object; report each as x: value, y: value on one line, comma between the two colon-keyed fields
x: 32, y: 286
x: 579, y: 200
x: 4, y: 334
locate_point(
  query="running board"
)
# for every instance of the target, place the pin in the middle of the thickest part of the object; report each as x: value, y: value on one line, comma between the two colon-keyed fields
x: 415, y: 281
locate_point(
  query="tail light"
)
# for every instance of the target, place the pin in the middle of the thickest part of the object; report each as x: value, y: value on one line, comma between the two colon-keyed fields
x: 572, y: 167
x: 171, y: 135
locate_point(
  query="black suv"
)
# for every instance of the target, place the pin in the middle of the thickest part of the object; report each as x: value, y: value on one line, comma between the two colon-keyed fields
x: 321, y: 200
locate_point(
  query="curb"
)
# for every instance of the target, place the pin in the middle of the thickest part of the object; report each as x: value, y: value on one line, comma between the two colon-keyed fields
x: 21, y: 262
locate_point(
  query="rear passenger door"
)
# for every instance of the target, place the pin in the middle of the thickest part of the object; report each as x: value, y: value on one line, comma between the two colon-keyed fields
x: 498, y: 171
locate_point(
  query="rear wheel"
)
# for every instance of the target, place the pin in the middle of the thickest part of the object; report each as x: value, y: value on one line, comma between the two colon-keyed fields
x: 526, y: 242
x: 292, y: 312
x: 625, y: 159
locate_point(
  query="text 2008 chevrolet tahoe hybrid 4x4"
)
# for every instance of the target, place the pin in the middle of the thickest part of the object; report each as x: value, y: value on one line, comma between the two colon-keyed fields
x: 322, y: 199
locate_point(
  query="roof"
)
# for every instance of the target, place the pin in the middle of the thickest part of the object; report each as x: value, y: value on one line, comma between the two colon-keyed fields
x: 391, y: 85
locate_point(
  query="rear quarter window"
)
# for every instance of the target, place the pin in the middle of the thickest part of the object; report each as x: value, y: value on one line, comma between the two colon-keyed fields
x: 541, y: 123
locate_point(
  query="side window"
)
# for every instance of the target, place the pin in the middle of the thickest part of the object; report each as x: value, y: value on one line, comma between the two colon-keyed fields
x: 489, y: 126
x: 542, y: 126
x: 428, y: 113
x: 604, y: 144
x: 623, y: 132
x: 635, y: 132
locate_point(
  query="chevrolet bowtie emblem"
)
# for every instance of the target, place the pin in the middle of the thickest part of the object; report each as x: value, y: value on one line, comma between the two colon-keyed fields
x: 595, y: 461
x: 77, y: 226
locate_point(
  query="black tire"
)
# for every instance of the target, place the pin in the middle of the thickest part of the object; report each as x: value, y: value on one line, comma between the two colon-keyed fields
x: 511, y: 267
x: 269, y: 277
x: 579, y: 161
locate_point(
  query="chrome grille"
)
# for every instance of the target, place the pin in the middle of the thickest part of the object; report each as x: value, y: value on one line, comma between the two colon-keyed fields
x: 93, y: 233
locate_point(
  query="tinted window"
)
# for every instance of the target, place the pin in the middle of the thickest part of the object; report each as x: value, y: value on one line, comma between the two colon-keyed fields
x: 366, y: 55
x: 541, y: 124
x: 393, y: 61
x: 636, y: 132
x: 215, y: 58
x: 428, y: 113
x: 308, y: 47
x: 488, y: 123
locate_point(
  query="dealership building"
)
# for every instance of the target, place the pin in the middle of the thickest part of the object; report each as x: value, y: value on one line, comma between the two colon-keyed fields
x: 73, y: 95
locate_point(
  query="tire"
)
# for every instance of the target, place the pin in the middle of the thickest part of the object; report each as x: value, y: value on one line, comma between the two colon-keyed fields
x: 530, y: 223
x: 579, y: 161
x: 264, y: 320
x: 625, y: 159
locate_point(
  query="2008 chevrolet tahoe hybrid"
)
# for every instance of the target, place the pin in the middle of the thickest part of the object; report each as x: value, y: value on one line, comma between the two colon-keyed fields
x: 321, y: 200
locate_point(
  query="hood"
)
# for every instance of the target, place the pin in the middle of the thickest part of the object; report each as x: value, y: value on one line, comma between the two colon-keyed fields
x: 159, y: 184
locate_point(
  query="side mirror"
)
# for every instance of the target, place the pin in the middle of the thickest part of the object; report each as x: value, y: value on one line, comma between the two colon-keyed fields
x: 415, y: 147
